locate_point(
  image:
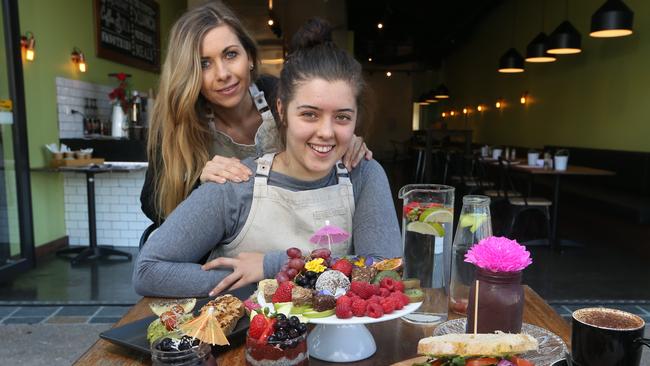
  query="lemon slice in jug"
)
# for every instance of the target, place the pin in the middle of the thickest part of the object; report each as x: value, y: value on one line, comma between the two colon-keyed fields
x: 426, y: 228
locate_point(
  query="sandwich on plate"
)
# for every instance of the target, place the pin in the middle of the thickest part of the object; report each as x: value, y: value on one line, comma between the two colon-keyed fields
x: 499, y: 349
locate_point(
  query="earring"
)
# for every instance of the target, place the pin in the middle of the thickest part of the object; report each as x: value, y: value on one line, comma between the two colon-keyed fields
x: 250, y: 67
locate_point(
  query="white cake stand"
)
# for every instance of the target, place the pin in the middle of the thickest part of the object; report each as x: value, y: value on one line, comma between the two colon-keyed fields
x: 347, y: 340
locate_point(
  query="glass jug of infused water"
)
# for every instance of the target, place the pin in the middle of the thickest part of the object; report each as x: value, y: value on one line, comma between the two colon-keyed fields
x: 474, y: 224
x: 427, y: 224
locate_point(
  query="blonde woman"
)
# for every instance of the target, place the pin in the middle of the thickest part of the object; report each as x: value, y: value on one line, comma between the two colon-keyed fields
x: 212, y: 110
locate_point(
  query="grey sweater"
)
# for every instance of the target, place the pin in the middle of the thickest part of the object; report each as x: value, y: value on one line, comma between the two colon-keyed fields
x: 168, y: 264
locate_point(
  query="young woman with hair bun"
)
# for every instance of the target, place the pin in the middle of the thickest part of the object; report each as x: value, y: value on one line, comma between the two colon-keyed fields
x: 211, y: 111
x: 245, y: 228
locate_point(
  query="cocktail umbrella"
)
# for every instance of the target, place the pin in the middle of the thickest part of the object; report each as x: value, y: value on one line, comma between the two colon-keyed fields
x: 206, y: 328
x: 329, y: 234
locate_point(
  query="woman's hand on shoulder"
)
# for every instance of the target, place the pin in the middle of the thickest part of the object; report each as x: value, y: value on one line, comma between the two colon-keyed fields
x: 221, y: 169
x: 356, y: 151
x: 247, y: 267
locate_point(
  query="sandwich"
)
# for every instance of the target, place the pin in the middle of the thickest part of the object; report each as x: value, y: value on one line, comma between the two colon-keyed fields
x: 477, y: 349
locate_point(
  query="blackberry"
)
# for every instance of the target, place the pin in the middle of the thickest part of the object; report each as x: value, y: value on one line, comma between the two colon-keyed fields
x: 185, y: 343
x: 281, y: 335
x: 166, y: 345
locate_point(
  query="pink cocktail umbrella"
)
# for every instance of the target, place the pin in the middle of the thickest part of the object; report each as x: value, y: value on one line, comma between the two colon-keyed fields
x: 329, y: 234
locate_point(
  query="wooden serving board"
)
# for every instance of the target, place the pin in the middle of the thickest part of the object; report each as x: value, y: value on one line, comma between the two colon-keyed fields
x: 410, y: 361
x: 76, y: 162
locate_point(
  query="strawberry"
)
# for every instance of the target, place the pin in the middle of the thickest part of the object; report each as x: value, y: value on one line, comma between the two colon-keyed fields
x: 283, y: 293
x: 257, y: 326
x: 270, y: 328
x: 343, y: 265
x: 359, y: 307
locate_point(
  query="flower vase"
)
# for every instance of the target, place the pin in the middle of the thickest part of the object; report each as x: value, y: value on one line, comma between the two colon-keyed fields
x: 118, y: 121
x: 500, y: 302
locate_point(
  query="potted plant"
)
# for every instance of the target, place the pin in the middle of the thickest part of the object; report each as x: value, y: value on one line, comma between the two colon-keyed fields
x: 533, y: 155
x: 561, y: 159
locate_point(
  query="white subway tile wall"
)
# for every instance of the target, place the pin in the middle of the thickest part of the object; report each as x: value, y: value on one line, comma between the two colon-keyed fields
x: 120, y: 220
x: 72, y: 94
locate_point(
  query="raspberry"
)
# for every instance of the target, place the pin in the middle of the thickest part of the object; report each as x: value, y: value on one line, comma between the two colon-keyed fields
x: 375, y: 298
x: 374, y: 310
x: 343, y: 311
x: 403, y: 299
x: 363, y: 289
x: 388, y: 305
x: 384, y: 292
x: 359, y: 307
x: 376, y: 288
x: 283, y: 293
x: 399, y: 286
x: 343, y: 265
x: 387, y: 283
x: 344, y: 300
x: 399, y: 305
x: 257, y: 326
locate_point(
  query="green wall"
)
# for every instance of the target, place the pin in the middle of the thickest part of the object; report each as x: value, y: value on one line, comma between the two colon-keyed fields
x: 58, y: 26
x: 598, y: 98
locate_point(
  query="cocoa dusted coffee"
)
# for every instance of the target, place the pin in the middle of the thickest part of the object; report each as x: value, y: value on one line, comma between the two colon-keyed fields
x: 606, y: 337
x: 609, y: 318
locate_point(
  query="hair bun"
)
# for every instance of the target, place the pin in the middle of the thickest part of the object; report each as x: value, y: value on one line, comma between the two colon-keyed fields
x: 314, y: 32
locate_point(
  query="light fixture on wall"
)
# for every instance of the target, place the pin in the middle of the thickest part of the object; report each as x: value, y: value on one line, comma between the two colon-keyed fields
x: 613, y: 19
x: 442, y: 92
x: 380, y: 25
x: 536, y: 49
x: 511, y: 61
x: 78, y: 59
x: 27, y: 44
x: 480, y: 108
x: 452, y: 113
x: 444, y: 114
x: 369, y: 59
x: 465, y: 110
x: 565, y: 39
x: 500, y: 103
x: 389, y: 74
x: 524, y: 98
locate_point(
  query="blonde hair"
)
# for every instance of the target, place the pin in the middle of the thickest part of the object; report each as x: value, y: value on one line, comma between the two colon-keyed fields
x: 179, y: 142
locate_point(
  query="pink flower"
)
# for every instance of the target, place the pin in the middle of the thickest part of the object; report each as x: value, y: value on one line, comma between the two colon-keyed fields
x: 499, y: 254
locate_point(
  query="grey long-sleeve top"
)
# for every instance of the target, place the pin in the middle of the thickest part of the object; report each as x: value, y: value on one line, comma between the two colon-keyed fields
x: 214, y: 214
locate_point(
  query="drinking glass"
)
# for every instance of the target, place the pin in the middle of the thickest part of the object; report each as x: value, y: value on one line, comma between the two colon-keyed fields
x: 427, y: 225
x: 475, y: 223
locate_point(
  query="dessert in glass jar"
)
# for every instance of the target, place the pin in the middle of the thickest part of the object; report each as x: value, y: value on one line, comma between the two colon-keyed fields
x: 276, y: 341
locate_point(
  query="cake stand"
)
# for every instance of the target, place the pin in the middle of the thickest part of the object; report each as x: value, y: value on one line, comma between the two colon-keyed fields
x: 347, y: 340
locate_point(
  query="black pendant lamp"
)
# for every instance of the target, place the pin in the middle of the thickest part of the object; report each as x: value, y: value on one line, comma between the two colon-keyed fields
x: 536, y: 49
x: 565, y: 39
x: 511, y: 62
x: 430, y: 96
x: 613, y: 19
x: 442, y: 92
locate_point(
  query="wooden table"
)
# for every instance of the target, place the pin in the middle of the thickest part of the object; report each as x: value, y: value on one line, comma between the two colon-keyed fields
x: 396, y: 340
x: 557, y: 174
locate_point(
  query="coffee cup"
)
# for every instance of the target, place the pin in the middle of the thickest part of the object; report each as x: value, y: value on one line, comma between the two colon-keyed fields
x: 606, y: 337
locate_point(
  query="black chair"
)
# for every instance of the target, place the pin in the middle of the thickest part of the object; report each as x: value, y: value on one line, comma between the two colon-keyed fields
x: 522, y: 203
x: 145, y: 234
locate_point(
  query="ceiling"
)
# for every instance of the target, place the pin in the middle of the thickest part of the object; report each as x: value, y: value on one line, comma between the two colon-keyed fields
x: 423, y: 32
x: 416, y: 32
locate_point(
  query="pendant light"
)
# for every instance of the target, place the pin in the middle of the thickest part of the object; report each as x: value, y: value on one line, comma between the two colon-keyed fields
x: 536, y: 49
x: 565, y: 39
x: 442, y: 92
x: 613, y: 19
x: 512, y: 62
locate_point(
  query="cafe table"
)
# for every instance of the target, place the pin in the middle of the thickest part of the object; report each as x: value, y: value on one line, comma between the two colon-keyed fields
x: 396, y: 340
x: 572, y: 170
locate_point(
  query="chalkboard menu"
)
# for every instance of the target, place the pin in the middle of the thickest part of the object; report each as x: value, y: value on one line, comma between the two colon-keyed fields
x: 128, y: 32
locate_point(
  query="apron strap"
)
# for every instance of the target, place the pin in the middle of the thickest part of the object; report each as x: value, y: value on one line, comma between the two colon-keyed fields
x: 342, y: 173
x: 259, y: 99
x: 264, y: 166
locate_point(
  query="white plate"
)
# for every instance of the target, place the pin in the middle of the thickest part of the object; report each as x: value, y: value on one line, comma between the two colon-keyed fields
x: 333, y: 320
x: 551, y: 347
